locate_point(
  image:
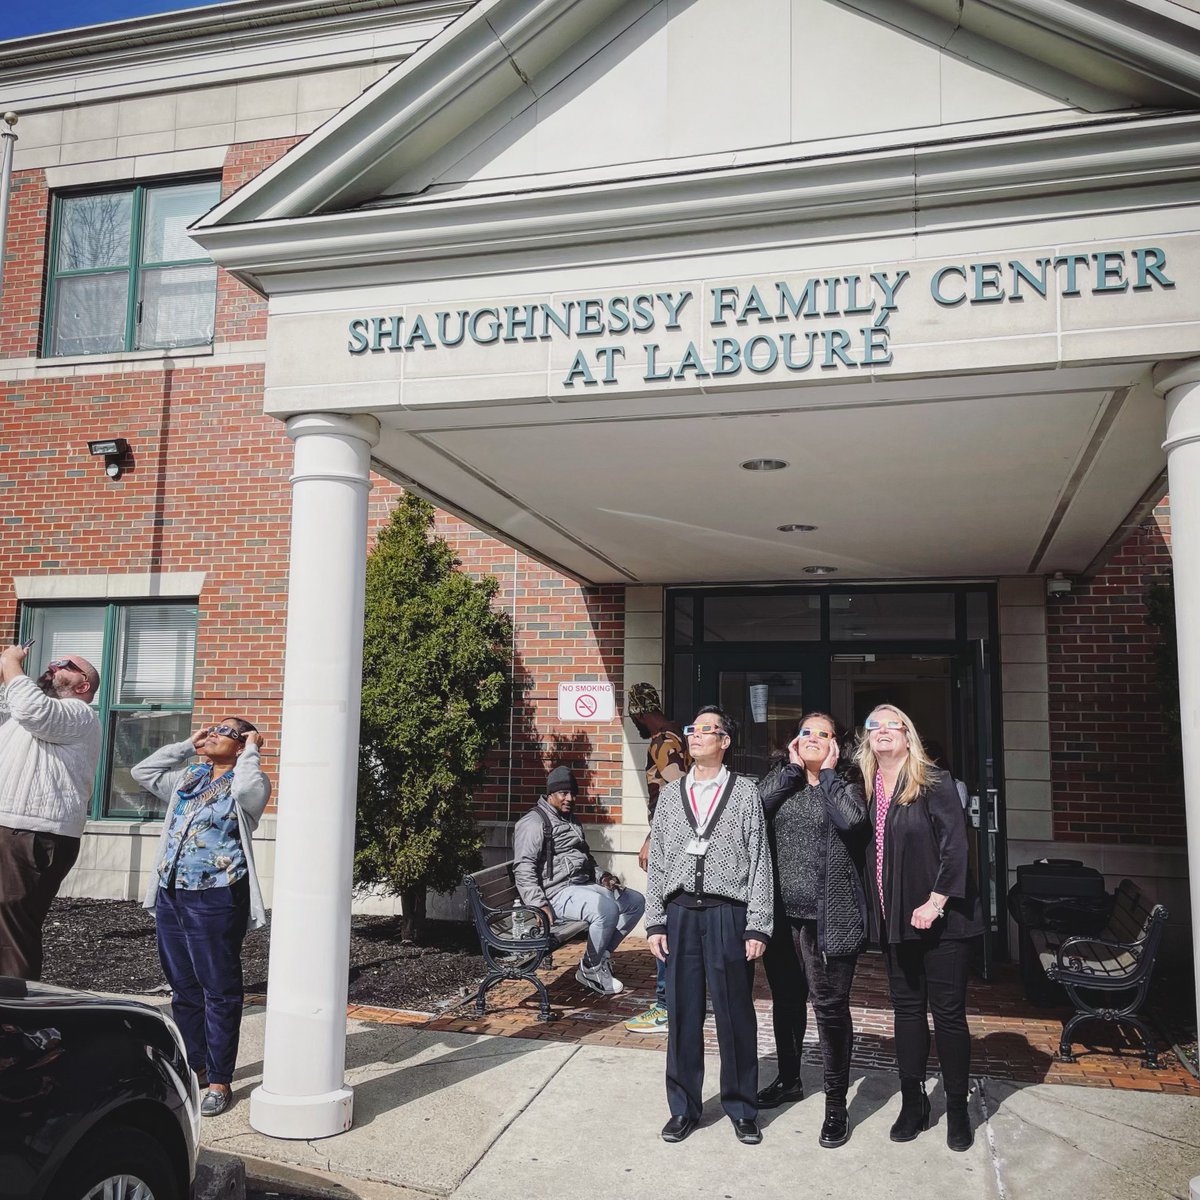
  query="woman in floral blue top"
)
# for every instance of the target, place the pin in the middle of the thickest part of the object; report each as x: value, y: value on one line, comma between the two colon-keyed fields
x: 204, y: 889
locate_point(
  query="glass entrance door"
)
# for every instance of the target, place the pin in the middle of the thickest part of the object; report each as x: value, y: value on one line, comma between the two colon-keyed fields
x: 949, y: 698
x: 766, y: 694
x: 982, y: 780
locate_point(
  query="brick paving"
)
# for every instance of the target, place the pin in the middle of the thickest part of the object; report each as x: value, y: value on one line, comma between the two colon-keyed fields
x: 1011, y: 1038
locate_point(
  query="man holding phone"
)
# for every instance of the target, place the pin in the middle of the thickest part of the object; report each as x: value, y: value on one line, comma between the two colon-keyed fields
x: 49, y: 750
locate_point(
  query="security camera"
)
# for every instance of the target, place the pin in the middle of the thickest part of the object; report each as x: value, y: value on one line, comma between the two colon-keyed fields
x: 1058, y: 585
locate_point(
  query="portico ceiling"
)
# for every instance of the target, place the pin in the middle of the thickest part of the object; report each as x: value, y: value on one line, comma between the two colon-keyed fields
x: 992, y: 475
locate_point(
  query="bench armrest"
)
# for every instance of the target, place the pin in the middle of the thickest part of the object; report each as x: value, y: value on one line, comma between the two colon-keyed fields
x: 524, y: 908
x: 1084, y: 939
x: 538, y: 939
x: 1089, y: 970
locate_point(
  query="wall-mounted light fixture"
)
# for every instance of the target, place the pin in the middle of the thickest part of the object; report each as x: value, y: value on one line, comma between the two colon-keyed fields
x: 114, y: 451
x: 1058, y: 585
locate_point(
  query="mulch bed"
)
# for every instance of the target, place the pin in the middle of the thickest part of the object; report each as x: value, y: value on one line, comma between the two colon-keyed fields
x: 108, y: 946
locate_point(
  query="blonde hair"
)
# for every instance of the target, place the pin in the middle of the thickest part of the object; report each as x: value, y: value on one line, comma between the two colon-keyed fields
x: 916, y: 773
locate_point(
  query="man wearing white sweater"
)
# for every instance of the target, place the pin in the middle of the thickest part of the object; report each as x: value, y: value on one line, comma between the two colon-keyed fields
x: 49, y: 748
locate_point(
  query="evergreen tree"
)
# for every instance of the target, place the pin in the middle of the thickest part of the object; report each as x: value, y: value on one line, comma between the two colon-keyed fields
x: 435, y: 699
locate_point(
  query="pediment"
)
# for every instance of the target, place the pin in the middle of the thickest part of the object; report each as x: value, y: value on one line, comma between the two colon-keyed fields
x: 517, y: 95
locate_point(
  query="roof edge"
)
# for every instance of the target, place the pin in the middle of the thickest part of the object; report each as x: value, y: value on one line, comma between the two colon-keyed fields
x: 474, y: 67
x: 186, y: 25
x: 1151, y: 39
x: 1103, y: 158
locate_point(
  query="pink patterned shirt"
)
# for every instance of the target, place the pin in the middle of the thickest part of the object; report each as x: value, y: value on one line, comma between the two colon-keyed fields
x: 882, y: 803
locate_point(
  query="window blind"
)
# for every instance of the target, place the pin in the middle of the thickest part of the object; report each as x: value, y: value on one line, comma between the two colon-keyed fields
x: 157, y: 650
x: 61, y: 632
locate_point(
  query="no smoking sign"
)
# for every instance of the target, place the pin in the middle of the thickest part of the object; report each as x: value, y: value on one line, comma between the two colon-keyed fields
x: 586, y: 701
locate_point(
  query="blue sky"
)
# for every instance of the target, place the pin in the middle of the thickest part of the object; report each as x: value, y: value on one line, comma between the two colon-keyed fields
x: 28, y: 19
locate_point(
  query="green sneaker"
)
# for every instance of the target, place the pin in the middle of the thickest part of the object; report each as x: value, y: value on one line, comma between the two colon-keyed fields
x: 653, y: 1020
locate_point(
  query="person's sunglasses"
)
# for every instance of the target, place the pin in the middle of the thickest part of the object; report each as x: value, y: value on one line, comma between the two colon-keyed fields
x: 65, y: 663
x: 823, y: 734
x: 875, y: 723
x: 227, y: 731
x: 689, y: 730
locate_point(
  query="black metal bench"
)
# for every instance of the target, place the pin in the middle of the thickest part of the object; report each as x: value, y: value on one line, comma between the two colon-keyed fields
x: 1114, y: 965
x: 516, y: 939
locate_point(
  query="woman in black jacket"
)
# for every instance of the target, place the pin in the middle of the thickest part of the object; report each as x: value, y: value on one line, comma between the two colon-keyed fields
x: 821, y: 917
x: 924, y: 914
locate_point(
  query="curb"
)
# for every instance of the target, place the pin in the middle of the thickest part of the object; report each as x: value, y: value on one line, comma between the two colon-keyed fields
x: 264, y: 1175
x: 219, y: 1176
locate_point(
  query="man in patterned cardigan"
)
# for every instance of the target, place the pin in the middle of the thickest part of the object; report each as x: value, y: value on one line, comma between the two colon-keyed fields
x: 709, y: 913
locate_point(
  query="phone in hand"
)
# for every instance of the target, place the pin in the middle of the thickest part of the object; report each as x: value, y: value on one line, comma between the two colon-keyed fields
x: 26, y: 645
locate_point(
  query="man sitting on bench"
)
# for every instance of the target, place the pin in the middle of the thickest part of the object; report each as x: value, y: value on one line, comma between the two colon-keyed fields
x: 555, y: 871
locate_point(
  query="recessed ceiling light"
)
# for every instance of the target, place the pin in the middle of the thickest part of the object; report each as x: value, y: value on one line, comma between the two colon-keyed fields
x: 763, y: 464
x: 820, y: 570
x: 795, y: 528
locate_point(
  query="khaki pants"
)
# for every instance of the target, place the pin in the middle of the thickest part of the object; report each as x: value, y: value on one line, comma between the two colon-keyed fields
x: 32, y: 868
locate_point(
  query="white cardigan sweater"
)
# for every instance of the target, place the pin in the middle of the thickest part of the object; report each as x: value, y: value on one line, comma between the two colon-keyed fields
x: 49, y: 750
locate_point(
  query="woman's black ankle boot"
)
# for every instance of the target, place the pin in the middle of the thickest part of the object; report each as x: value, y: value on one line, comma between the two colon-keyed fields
x: 958, y: 1124
x: 914, y: 1111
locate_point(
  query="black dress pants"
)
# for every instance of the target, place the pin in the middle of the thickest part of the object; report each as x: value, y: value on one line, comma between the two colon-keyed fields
x: 707, y: 955
x: 931, y: 976
x: 798, y: 973
x: 32, y: 868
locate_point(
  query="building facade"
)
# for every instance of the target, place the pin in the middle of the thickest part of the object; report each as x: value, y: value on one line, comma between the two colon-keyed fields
x: 763, y: 378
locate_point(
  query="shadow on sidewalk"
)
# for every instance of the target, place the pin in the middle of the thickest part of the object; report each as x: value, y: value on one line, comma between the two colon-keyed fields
x: 398, y: 1066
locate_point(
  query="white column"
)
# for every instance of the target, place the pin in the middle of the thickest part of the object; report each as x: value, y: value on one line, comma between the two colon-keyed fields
x: 1179, y: 383
x: 303, y: 1093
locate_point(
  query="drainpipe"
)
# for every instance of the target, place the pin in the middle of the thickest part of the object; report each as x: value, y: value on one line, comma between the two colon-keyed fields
x: 9, y: 138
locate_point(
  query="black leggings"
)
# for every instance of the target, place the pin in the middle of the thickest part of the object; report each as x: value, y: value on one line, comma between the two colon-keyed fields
x: 931, y: 976
x: 797, y: 973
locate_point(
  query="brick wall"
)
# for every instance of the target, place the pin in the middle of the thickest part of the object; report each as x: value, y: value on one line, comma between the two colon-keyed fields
x: 24, y: 265
x: 242, y: 313
x: 1111, y: 760
x: 561, y: 631
x: 207, y: 489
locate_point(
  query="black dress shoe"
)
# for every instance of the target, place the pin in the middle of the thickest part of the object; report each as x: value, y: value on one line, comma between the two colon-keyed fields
x: 677, y: 1128
x: 747, y: 1132
x: 835, y: 1130
x: 780, y: 1092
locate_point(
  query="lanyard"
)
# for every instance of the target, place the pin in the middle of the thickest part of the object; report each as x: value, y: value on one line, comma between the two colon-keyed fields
x: 702, y: 825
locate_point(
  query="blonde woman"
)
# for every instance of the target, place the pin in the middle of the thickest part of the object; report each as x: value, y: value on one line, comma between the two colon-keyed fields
x: 924, y: 913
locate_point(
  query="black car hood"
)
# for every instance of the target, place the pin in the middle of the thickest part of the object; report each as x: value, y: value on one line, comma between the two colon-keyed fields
x: 48, y: 995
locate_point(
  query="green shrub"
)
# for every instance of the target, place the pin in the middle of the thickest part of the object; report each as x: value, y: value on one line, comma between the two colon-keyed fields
x: 435, y: 700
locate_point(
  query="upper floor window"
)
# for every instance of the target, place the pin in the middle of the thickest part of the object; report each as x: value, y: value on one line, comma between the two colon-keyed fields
x: 124, y: 275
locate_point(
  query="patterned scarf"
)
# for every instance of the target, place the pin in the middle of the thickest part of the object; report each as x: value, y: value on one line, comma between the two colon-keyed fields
x: 193, y: 794
x: 882, y: 803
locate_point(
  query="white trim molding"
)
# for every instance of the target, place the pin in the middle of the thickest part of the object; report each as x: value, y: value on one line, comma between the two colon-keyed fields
x: 1107, y: 158
x: 106, y: 585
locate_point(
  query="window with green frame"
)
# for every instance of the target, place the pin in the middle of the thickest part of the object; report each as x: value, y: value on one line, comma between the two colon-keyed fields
x: 145, y: 653
x: 124, y: 275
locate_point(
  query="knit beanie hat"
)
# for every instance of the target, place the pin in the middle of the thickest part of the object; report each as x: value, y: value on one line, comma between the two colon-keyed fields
x: 561, y: 779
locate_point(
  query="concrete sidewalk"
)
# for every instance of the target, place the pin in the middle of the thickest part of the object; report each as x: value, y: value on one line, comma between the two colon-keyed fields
x: 477, y: 1117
